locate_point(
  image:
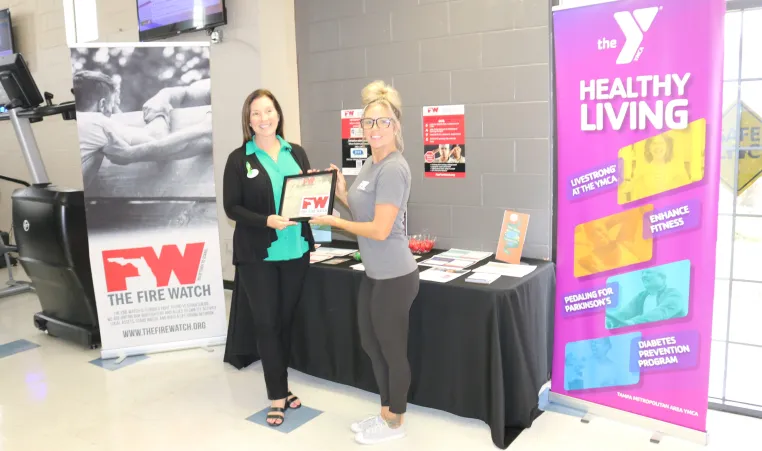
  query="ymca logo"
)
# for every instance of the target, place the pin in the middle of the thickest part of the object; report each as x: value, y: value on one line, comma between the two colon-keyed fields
x: 143, y: 263
x: 314, y: 205
x: 634, y: 25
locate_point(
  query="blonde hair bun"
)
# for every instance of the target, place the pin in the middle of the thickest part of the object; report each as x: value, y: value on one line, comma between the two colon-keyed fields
x: 378, y: 91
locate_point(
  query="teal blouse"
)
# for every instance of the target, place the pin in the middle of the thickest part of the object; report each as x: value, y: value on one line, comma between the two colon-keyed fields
x: 290, y: 244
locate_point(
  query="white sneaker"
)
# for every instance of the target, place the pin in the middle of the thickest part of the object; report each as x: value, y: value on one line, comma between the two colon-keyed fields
x: 379, y: 433
x: 365, y: 423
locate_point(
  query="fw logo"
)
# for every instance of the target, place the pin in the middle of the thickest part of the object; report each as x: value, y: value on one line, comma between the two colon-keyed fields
x: 634, y: 25
x: 314, y: 205
x: 143, y: 262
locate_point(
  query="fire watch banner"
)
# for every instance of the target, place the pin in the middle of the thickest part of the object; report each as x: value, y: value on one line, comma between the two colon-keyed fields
x: 639, y: 91
x: 144, y: 119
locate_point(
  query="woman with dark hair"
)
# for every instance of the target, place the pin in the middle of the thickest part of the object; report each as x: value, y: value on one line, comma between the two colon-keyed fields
x: 270, y: 253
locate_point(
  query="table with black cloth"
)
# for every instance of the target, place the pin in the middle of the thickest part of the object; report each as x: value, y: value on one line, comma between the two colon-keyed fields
x: 476, y: 351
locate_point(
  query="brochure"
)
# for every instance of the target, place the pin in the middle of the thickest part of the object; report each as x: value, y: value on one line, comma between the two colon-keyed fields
x: 482, y: 278
x: 506, y: 269
x: 441, y: 275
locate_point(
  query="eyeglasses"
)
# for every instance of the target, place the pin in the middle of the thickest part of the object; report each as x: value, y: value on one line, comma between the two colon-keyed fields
x: 383, y: 122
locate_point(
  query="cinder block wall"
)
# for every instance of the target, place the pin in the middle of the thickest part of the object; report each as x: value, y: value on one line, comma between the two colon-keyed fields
x: 491, y: 55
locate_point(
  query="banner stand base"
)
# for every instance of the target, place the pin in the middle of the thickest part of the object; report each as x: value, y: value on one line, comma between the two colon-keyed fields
x: 203, y: 343
x: 660, y: 428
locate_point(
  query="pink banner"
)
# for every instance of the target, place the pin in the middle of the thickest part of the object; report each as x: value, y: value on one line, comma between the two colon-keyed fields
x: 639, y: 91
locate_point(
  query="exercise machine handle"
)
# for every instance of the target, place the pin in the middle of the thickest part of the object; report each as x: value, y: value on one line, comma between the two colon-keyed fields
x: 12, y: 180
x: 66, y: 109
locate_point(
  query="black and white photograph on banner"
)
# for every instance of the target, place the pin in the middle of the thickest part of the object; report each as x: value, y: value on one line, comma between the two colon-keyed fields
x: 145, y: 121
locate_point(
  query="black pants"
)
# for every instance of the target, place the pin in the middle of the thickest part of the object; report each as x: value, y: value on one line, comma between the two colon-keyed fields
x: 273, y: 290
x: 383, y: 313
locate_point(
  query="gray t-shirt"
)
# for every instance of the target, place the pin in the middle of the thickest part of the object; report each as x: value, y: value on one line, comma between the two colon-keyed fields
x: 386, y: 182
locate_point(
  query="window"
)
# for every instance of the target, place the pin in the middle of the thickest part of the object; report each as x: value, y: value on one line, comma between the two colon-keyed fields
x: 737, y: 341
x: 81, y: 17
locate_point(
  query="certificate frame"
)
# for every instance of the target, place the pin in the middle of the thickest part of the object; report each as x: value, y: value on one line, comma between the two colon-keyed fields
x: 297, y: 188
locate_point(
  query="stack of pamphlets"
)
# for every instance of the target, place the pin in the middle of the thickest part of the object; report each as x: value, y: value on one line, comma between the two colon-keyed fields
x: 442, y: 275
x: 456, y: 259
x: 506, y: 269
x: 325, y: 253
x: 482, y: 278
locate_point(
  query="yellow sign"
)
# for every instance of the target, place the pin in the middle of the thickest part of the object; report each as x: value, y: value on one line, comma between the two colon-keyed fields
x: 750, y: 134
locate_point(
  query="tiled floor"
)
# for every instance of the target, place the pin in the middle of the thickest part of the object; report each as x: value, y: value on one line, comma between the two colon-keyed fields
x: 56, y: 396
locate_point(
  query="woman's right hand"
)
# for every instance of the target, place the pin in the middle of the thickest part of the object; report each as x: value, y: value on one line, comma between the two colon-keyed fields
x: 278, y: 222
x: 341, y: 182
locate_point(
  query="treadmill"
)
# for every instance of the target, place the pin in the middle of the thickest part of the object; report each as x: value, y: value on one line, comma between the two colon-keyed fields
x: 49, y: 221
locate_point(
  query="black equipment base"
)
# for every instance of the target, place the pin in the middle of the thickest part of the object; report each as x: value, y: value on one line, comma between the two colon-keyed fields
x: 84, y: 336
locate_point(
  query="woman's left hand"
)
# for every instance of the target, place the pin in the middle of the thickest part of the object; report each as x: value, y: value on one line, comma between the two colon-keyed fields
x: 329, y: 220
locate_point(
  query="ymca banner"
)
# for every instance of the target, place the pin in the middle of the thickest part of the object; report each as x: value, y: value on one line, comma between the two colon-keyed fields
x: 144, y: 119
x: 639, y: 91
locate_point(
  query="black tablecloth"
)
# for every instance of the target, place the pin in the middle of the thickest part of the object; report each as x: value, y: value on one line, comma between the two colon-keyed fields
x: 477, y: 351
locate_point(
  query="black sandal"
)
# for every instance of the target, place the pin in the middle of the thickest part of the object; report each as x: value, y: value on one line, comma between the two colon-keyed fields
x: 290, y: 398
x: 276, y: 417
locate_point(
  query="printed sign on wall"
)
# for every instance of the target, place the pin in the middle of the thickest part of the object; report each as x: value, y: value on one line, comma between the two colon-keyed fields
x: 444, y: 141
x: 354, y: 148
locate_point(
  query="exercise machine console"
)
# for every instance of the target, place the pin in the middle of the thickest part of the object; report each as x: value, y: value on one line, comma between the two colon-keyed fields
x: 49, y: 221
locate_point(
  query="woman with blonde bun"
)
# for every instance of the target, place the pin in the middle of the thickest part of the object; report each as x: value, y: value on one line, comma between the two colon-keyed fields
x: 378, y: 202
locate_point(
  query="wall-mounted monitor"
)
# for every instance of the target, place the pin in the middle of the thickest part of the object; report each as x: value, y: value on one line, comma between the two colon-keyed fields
x: 7, y: 47
x: 159, y: 19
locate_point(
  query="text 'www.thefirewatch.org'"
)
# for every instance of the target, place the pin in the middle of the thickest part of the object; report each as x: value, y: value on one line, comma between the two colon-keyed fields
x: 160, y: 330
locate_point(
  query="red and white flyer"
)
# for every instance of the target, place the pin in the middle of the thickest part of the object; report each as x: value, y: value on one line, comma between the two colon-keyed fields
x: 354, y: 148
x: 444, y: 141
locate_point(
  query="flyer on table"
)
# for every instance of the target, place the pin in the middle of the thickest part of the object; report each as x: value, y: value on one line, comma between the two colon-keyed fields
x: 639, y: 92
x: 512, y: 235
x: 354, y: 148
x: 444, y: 141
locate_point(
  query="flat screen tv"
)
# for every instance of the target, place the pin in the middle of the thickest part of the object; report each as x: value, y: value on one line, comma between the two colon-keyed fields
x: 7, y: 46
x: 159, y: 19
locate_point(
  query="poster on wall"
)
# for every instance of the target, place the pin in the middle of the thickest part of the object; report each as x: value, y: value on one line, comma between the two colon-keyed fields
x: 639, y: 129
x: 354, y: 148
x: 444, y: 141
x: 144, y: 119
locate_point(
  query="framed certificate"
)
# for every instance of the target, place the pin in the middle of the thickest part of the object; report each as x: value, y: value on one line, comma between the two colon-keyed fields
x: 306, y: 196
